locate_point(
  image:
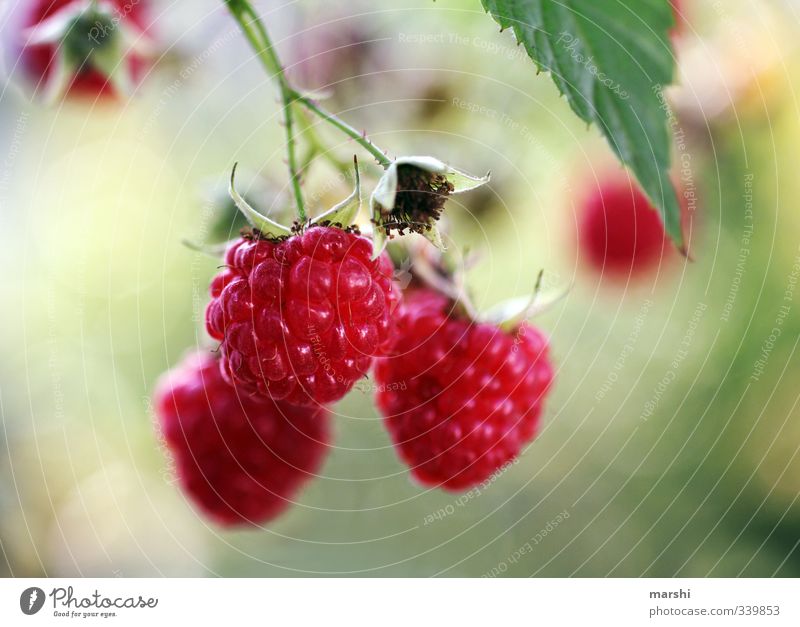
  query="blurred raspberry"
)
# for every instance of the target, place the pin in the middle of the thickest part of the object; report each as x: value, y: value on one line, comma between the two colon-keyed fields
x: 240, y: 459
x: 329, y: 52
x: 87, y: 35
x: 620, y: 233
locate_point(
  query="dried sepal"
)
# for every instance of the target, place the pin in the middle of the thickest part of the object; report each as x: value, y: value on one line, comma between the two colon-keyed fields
x: 411, y: 195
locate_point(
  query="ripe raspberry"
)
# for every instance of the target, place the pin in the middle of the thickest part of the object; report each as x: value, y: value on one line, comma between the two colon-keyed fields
x: 85, y: 37
x: 240, y: 459
x: 300, y: 320
x: 620, y: 233
x: 460, y: 399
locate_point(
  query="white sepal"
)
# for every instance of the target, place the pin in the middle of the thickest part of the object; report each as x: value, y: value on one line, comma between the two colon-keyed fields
x: 511, y: 313
x: 268, y: 227
x: 54, y: 28
x: 434, y: 236
x: 345, y: 212
x: 215, y: 251
x: 59, y: 80
x: 379, y: 241
x: 112, y: 64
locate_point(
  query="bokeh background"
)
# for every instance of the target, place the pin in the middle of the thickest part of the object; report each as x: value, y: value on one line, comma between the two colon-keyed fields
x: 670, y: 442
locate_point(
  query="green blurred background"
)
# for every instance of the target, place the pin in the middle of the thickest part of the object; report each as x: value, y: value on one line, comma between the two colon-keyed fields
x: 666, y: 448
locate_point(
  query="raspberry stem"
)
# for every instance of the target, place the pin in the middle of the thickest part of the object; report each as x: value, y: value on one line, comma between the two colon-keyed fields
x: 317, y: 146
x: 258, y: 37
x: 256, y: 34
x: 344, y: 127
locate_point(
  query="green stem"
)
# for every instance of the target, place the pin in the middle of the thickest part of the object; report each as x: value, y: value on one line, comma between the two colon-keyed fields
x: 345, y: 128
x: 259, y: 39
x: 317, y: 145
x: 268, y: 56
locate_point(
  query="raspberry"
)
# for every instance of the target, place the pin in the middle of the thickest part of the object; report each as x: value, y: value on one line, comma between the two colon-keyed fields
x: 460, y: 399
x: 240, y: 459
x: 620, y: 232
x: 86, y: 36
x: 301, y: 319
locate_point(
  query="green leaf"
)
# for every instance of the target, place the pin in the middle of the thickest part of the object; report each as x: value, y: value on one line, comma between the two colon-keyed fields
x: 610, y: 59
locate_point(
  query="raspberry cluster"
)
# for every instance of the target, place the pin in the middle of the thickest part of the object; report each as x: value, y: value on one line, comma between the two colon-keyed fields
x: 299, y: 319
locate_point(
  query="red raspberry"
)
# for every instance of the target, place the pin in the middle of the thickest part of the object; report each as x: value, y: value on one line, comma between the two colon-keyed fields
x: 300, y: 320
x: 39, y: 60
x: 240, y: 459
x: 460, y: 399
x: 620, y: 232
